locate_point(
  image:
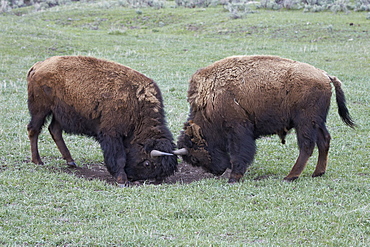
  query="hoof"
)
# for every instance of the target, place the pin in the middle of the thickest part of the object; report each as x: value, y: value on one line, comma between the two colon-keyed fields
x: 38, y: 162
x: 234, y: 178
x: 72, y: 164
x: 158, y: 181
x: 123, y: 185
x: 290, y: 179
x: 318, y: 174
x: 233, y: 181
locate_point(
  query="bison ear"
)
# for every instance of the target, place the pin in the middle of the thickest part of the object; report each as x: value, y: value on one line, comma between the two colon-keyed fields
x: 195, y: 130
x: 188, y: 130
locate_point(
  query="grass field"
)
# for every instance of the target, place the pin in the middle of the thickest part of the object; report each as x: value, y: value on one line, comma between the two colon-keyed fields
x: 41, y: 206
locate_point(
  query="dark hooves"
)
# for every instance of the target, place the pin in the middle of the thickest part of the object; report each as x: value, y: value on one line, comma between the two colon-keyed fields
x: 318, y: 175
x: 72, y: 164
x: 124, y: 185
x: 290, y: 179
x: 233, y: 181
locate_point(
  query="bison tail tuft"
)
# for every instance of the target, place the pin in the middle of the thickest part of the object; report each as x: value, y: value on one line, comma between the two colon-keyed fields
x: 341, y: 102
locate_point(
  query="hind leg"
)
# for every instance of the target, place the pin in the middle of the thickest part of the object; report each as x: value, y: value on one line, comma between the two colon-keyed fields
x: 306, y: 137
x: 56, y: 133
x: 323, y: 144
x: 34, y: 129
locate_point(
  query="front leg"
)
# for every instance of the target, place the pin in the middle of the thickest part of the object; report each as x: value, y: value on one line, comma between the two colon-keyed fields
x: 114, y: 158
x: 121, y: 176
x: 242, y: 148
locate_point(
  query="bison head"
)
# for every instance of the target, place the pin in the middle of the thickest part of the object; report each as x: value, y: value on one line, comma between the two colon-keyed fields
x: 193, y: 147
x: 152, y: 160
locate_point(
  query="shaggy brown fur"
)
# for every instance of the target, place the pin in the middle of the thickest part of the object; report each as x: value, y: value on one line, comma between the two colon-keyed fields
x: 238, y: 99
x: 118, y: 106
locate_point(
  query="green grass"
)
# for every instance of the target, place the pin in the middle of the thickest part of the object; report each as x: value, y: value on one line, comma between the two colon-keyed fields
x: 39, y: 206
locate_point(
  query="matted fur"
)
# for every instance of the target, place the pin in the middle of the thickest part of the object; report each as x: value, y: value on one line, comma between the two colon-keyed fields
x: 238, y: 99
x: 118, y: 106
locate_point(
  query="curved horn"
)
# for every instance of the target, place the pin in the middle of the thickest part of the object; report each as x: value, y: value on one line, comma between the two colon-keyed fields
x: 156, y: 153
x: 181, y: 151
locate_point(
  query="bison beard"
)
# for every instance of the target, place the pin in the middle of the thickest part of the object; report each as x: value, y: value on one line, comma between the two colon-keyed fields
x: 239, y: 99
x: 118, y: 106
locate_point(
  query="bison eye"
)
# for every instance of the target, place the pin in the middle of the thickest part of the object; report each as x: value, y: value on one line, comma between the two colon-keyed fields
x: 194, y: 160
x: 146, y: 163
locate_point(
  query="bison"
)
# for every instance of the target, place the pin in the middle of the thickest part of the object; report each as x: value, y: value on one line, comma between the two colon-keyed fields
x: 119, y: 107
x: 239, y: 99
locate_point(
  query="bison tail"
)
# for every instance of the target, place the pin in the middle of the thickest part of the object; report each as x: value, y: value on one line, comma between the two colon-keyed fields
x: 341, y: 102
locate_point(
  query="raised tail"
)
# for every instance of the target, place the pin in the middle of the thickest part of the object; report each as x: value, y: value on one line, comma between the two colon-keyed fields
x: 341, y: 102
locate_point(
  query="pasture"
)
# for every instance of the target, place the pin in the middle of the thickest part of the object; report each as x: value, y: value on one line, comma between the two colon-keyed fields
x: 52, y: 205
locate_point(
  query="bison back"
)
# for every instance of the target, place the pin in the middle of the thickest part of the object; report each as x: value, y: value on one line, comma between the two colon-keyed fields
x: 271, y: 92
x: 90, y: 90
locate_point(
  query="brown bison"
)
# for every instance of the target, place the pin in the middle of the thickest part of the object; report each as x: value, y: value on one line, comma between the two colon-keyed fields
x: 239, y: 99
x: 118, y: 106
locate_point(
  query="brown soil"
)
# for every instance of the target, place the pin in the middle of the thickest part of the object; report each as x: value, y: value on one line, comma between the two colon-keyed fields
x: 185, y: 174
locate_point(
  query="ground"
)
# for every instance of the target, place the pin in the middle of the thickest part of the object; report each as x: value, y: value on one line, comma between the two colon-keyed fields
x: 185, y: 174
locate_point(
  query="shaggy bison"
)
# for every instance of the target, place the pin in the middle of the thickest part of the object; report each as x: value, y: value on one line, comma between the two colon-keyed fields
x: 118, y: 106
x: 239, y: 99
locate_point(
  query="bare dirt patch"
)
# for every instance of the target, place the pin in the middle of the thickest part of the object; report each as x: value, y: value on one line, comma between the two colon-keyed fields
x: 185, y: 174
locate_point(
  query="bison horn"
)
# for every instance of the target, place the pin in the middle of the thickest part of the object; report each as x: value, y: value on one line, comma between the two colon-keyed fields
x: 182, y: 151
x: 156, y: 153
